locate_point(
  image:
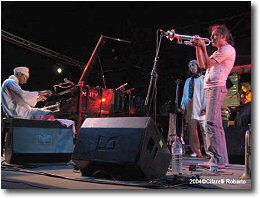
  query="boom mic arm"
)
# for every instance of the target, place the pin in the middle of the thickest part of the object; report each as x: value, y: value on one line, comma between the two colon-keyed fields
x: 122, y: 86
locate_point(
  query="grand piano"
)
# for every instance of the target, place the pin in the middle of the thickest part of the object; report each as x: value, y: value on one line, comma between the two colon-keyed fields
x: 79, y: 101
x: 95, y: 102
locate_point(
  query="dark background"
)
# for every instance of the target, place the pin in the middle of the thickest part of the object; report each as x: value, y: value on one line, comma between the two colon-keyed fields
x: 74, y: 28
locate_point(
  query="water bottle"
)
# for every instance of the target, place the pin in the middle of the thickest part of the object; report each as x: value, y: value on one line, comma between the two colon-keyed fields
x: 176, y: 156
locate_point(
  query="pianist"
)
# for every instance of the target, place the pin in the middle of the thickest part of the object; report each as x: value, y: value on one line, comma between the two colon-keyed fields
x: 17, y: 103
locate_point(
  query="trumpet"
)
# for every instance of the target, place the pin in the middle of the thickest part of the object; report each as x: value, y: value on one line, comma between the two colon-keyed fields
x: 183, y: 39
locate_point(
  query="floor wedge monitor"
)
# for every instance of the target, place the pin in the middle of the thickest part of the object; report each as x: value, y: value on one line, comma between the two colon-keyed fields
x: 126, y: 148
x: 37, y: 141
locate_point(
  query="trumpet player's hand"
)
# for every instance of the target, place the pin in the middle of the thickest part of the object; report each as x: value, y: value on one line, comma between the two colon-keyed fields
x: 197, y: 42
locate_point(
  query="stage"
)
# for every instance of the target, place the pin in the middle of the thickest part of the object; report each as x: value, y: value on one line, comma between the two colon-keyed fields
x: 117, y: 105
x: 64, y: 176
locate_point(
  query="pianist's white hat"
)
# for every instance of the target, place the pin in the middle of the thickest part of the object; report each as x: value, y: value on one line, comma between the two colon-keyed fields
x: 23, y: 70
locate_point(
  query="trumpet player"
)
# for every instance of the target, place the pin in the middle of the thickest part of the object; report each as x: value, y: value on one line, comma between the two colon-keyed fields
x: 218, y: 66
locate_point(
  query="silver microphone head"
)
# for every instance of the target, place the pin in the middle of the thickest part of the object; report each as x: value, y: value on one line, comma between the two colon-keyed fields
x: 68, y: 81
x: 168, y: 34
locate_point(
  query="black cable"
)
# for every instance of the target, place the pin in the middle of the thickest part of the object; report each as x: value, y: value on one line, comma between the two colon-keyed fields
x: 160, y: 183
x: 23, y: 183
x: 99, y: 171
x: 80, y: 180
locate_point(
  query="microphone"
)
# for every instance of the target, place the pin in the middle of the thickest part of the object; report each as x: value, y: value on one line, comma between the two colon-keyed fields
x: 168, y: 34
x: 129, y: 90
x: 122, y: 86
x: 68, y: 81
x: 162, y: 31
x: 117, y: 39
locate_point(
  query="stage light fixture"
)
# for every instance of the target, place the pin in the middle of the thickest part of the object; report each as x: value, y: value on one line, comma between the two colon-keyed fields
x: 59, y: 70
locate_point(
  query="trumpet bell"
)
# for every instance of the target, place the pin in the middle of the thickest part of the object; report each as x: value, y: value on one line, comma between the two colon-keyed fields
x: 183, y: 39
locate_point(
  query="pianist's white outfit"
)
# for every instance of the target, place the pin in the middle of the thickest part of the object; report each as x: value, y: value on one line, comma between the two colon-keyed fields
x: 18, y: 103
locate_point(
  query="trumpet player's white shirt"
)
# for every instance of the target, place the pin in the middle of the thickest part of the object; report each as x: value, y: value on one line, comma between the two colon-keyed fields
x: 217, y: 75
x: 18, y: 103
x: 193, y: 106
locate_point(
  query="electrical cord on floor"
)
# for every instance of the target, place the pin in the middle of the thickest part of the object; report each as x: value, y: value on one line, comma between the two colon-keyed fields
x: 25, y: 183
x: 104, y: 172
x: 8, y: 167
x: 23, y: 166
x: 161, y: 183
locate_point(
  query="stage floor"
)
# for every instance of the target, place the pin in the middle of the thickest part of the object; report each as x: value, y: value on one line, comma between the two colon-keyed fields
x: 63, y: 176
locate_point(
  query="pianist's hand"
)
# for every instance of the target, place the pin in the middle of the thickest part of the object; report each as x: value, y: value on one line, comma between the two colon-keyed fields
x: 41, y: 98
x: 45, y: 92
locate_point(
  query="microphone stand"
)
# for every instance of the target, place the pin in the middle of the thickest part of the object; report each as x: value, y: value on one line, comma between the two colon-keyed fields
x: 153, y: 80
x: 102, y: 72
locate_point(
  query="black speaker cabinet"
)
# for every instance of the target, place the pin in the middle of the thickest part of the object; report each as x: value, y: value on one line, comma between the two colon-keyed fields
x: 125, y: 148
x: 235, y: 140
x: 37, y: 141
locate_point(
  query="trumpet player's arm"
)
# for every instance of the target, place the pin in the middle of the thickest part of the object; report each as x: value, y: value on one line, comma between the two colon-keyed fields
x: 208, y: 62
x: 200, y: 57
x: 204, y: 61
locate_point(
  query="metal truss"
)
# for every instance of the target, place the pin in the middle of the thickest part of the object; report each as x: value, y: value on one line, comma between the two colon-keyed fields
x: 40, y: 49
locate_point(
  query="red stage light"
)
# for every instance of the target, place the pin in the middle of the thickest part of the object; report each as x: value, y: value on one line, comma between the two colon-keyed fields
x: 103, y: 100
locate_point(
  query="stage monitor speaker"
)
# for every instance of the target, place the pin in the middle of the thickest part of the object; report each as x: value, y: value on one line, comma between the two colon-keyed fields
x: 37, y: 141
x: 125, y: 148
x: 235, y: 140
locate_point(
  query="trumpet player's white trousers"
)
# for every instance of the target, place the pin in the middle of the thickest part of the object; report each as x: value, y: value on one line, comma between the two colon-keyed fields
x: 214, y: 129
